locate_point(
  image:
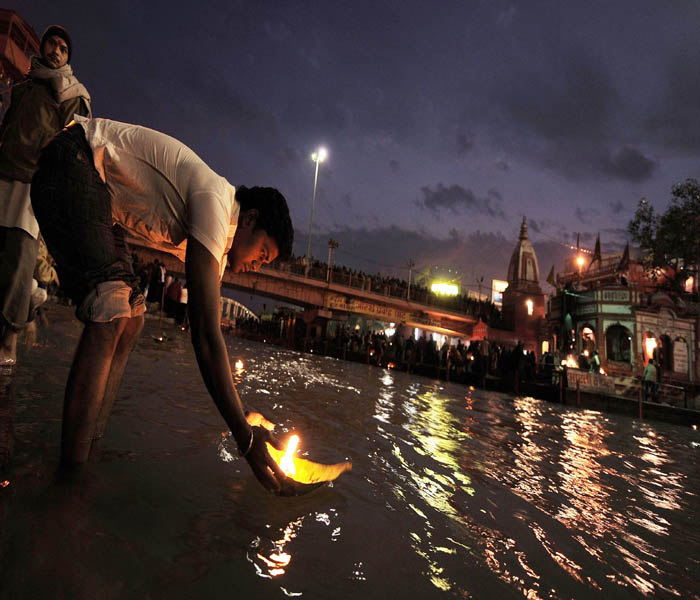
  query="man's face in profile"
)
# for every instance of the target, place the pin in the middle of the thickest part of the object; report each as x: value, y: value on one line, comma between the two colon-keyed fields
x: 54, y: 52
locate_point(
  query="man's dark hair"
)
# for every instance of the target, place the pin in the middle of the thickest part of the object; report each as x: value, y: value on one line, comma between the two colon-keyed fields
x: 273, y: 215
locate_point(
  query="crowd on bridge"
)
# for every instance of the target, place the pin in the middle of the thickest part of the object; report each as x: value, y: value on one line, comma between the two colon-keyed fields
x: 391, y: 286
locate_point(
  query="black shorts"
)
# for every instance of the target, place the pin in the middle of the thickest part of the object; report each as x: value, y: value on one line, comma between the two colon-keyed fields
x: 74, y: 210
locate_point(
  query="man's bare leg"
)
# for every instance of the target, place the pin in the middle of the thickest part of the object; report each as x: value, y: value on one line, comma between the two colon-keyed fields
x: 86, y: 387
x: 125, y: 345
x: 8, y: 346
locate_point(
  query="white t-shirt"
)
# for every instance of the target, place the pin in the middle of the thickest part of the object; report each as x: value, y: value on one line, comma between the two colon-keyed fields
x: 162, y: 192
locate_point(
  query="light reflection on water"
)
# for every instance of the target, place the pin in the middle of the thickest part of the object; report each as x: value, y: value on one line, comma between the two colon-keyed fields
x: 485, y: 494
x: 454, y: 492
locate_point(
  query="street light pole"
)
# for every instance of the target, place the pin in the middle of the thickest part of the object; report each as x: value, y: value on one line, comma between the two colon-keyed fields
x: 332, y: 245
x: 411, y: 264
x: 479, y: 281
x: 317, y: 157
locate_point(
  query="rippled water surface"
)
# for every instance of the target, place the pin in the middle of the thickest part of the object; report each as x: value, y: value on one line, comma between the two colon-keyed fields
x: 454, y: 492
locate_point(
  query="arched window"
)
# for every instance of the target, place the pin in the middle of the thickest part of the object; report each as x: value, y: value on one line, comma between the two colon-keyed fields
x: 650, y: 345
x: 618, y: 344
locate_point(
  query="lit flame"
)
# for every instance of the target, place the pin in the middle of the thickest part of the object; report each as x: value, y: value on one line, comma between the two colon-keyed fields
x: 287, y: 461
x: 569, y: 362
x: 391, y: 365
x: 239, y: 365
x: 602, y: 371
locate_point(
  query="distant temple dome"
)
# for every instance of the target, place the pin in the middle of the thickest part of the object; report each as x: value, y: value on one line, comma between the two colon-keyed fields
x: 523, y: 267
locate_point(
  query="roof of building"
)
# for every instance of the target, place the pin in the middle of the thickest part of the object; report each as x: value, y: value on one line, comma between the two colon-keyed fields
x: 523, y: 265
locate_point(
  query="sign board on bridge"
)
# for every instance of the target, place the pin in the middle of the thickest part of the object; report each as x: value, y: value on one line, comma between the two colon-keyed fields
x: 591, y: 381
x: 379, y: 311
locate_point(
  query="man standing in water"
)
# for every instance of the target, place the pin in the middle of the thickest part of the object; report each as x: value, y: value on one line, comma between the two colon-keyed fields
x: 97, y: 172
x: 41, y: 105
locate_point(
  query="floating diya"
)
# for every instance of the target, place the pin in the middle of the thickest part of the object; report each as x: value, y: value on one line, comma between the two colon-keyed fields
x: 302, y: 470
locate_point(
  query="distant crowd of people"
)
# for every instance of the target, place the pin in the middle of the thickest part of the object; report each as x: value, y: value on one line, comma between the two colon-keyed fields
x: 474, y: 362
x: 394, y: 287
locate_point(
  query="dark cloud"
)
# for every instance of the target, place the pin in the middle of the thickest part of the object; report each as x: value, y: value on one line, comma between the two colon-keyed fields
x: 533, y: 225
x: 456, y: 199
x: 574, y: 114
x: 574, y: 100
x: 290, y: 156
x: 502, y: 165
x: 464, y: 142
x: 394, y: 166
x: 629, y: 163
x: 586, y: 215
x: 617, y: 207
x: 673, y: 120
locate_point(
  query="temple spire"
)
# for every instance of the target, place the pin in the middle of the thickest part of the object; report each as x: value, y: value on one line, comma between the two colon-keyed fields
x: 523, y: 229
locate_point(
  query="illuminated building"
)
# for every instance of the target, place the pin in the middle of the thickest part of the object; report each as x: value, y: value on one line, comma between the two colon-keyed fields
x: 18, y: 43
x: 498, y: 286
x: 612, y: 306
x: 523, y: 299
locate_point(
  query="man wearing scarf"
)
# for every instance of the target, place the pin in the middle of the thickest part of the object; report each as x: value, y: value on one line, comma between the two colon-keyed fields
x: 41, y: 105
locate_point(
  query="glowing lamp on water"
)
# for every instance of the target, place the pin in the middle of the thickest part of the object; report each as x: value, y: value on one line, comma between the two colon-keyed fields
x: 302, y: 470
x: 239, y: 365
x: 287, y: 460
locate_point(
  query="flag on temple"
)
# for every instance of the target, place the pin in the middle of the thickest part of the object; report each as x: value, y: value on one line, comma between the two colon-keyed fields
x: 596, y: 253
x: 625, y: 260
x: 550, y: 278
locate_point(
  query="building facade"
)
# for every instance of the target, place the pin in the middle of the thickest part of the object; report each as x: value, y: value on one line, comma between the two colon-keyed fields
x: 523, y: 299
x: 18, y: 43
x: 612, y: 307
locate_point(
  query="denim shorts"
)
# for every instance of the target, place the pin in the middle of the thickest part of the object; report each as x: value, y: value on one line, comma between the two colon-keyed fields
x: 74, y: 209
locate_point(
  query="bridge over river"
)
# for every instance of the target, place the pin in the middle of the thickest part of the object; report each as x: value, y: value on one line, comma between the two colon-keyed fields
x: 324, y: 300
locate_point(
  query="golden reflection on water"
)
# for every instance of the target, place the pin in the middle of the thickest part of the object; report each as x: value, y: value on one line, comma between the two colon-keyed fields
x: 529, y: 454
x: 586, y: 500
x: 437, y: 437
x: 527, y: 492
x: 277, y: 560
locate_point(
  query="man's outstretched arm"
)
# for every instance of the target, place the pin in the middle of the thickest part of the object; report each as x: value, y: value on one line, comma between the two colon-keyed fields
x: 202, y: 272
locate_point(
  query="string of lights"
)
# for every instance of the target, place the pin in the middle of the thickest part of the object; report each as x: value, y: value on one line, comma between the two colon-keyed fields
x: 566, y: 244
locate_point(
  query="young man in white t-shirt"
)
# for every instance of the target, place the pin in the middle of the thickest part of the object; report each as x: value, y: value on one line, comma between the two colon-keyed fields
x: 96, y: 173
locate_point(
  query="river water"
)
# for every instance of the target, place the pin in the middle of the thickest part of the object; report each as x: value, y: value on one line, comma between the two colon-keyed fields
x: 454, y: 493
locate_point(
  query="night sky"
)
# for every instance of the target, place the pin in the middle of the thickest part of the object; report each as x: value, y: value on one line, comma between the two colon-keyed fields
x: 445, y: 122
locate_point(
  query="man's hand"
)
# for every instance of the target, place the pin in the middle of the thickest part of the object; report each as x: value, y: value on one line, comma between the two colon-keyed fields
x: 255, y: 419
x: 267, y: 471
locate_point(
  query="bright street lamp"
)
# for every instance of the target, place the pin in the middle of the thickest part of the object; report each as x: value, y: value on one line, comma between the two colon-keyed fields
x: 318, y: 157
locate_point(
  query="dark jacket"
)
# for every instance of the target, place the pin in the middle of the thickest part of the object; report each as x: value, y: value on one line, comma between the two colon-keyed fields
x: 33, y: 118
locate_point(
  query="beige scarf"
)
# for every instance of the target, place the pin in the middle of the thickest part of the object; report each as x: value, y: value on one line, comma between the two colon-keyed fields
x: 63, y: 82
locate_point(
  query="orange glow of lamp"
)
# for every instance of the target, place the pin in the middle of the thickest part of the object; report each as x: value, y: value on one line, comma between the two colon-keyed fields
x: 302, y: 470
